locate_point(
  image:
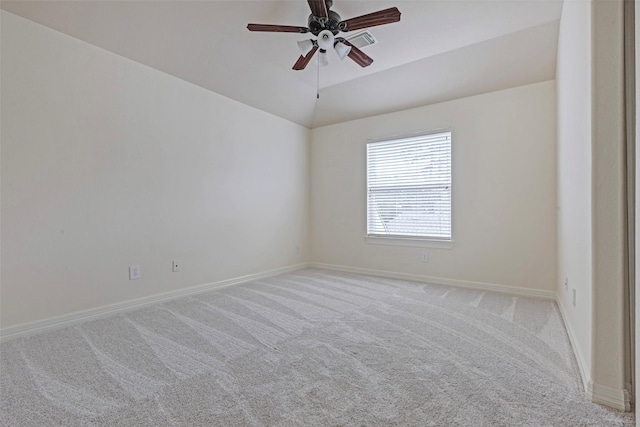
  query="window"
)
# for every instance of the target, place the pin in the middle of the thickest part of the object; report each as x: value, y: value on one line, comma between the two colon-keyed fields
x: 409, y: 187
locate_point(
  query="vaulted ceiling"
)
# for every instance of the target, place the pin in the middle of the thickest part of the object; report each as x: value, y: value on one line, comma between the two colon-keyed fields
x: 440, y: 50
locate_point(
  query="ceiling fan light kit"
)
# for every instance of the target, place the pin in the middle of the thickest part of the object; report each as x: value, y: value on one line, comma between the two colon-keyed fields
x: 305, y: 46
x: 322, y: 58
x: 342, y: 49
x: 325, y: 40
x: 326, y: 24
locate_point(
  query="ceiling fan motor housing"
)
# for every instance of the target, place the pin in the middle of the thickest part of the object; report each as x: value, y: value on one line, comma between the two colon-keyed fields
x: 316, y: 23
x: 325, y: 24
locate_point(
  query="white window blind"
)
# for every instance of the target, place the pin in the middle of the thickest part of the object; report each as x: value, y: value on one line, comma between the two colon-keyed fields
x: 409, y: 187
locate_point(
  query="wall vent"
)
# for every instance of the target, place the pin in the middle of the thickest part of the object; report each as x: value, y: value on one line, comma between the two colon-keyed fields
x: 362, y: 39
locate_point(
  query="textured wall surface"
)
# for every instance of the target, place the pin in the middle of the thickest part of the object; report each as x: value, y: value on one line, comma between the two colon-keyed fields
x: 504, y: 190
x: 575, y: 262
x: 108, y: 163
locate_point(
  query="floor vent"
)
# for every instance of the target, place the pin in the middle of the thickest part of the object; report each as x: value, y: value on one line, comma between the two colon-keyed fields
x: 362, y: 39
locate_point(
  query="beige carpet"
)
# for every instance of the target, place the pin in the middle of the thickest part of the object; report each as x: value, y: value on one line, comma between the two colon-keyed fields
x: 310, y: 348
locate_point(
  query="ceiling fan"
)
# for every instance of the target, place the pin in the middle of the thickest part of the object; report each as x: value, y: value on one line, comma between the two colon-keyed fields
x: 326, y: 24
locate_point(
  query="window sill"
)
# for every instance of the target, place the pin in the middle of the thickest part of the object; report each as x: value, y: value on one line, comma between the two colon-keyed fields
x: 418, y: 243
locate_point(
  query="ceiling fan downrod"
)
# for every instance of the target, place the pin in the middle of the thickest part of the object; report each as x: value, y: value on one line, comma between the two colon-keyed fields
x: 331, y: 22
x: 326, y: 24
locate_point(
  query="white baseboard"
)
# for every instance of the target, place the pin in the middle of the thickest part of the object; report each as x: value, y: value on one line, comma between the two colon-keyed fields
x: 618, y: 399
x: 57, y: 322
x: 525, y: 292
x: 577, y: 350
x: 597, y: 393
x: 613, y: 398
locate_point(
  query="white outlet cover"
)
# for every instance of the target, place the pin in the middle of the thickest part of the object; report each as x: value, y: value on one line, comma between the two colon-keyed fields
x: 425, y: 256
x: 134, y: 272
x: 176, y: 266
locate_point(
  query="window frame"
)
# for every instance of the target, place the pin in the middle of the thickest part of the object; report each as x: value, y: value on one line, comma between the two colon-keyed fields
x: 407, y: 240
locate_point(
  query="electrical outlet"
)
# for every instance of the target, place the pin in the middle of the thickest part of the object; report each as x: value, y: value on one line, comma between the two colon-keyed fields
x: 573, y: 297
x: 297, y: 249
x: 566, y: 284
x: 176, y: 266
x: 425, y: 256
x: 134, y: 272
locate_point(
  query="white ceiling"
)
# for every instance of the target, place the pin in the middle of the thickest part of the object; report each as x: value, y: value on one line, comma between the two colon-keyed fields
x: 440, y: 50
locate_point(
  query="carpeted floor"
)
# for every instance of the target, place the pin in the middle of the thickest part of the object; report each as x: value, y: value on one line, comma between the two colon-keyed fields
x: 309, y: 348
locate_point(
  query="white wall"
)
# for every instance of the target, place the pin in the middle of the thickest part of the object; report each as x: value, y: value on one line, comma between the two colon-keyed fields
x: 637, y: 208
x: 609, y: 204
x: 504, y: 190
x: 107, y: 163
x: 575, y: 264
x: 592, y: 232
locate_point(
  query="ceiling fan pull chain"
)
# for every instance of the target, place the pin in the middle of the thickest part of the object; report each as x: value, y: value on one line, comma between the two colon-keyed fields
x: 326, y: 24
x: 318, y: 79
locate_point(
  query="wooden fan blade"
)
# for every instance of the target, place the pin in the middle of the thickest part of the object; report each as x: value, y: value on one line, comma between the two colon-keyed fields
x: 318, y: 8
x: 277, y: 28
x: 302, y: 62
x: 358, y: 56
x: 380, y: 17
